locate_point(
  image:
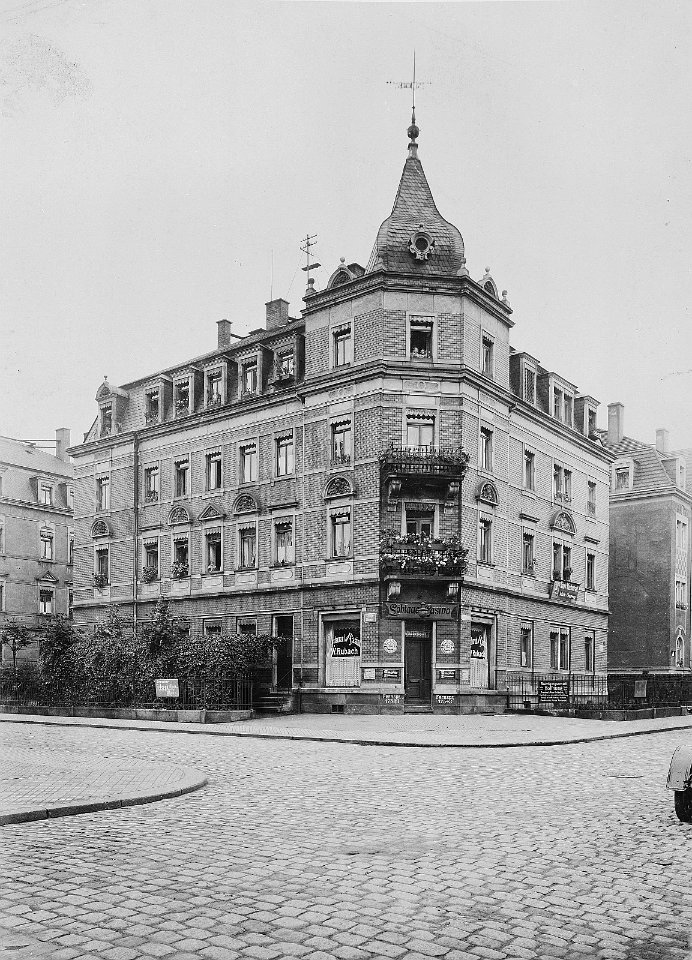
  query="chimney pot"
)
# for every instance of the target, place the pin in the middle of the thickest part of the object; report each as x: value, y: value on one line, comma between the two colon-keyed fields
x: 277, y: 313
x: 616, y: 422
x: 62, y: 442
x: 224, y: 333
x: 662, y: 441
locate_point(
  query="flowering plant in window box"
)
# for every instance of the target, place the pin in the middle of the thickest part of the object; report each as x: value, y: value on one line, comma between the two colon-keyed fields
x: 179, y: 570
x: 421, y: 555
x: 214, y: 400
x: 149, y: 574
x: 151, y: 496
x: 100, y: 580
x: 182, y: 405
x: 152, y: 417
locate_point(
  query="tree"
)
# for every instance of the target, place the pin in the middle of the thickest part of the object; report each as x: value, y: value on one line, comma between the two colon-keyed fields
x: 59, y: 640
x: 15, y: 636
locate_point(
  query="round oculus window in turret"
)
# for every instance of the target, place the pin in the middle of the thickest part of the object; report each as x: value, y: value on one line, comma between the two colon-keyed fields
x: 421, y: 245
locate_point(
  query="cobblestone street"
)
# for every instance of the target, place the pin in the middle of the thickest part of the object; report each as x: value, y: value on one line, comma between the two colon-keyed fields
x: 328, y: 850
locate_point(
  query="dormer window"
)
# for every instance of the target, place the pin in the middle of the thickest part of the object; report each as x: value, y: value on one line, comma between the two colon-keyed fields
x: 568, y: 407
x: 529, y: 385
x: 182, y: 398
x: 557, y: 403
x: 214, y: 388
x: 682, y: 474
x: 284, y: 366
x: 421, y: 338
x: 590, y: 422
x: 249, y: 377
x: 151, y: 406
x: 106, y: 420
x: 46, y: 494
x: 622, y: 475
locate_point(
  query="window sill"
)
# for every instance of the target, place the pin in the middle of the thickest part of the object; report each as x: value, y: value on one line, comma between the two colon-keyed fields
x: 529, y: 573
x: 528, y: 492
x: 211, y: 573
x: 245, y: 570
x: 347, y: 556
x: 216, y: 492
x: 485, y: 563
x: 284, y: 476
x: 282, y: 566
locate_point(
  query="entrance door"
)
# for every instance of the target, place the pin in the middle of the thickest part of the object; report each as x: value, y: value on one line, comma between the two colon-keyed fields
x: 480, y: 656
x: 283, y: 629
x: 418, y: 663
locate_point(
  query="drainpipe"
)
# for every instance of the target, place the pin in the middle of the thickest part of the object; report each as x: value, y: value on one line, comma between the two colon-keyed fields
x: 135, y: 526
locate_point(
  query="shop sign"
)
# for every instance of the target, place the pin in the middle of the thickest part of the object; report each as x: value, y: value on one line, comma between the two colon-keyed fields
x: 390, y: 645
x: 345, y: 644
x: 422, y: 611
x: 447, y: 674
x: 167, y: 688
x: 446, y: 645
x: 555, y: 691
x: 445, y: 698
x: 640, y: 689
x: 560, y: 590
x: 369, y: 673
x: 392, y: 698
x: 371, y: 617
x: 391, y: 675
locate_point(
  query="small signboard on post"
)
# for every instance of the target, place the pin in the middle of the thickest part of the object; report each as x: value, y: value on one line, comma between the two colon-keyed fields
x: 640, y: 689
x: 167, y: 688
x: 553, y: 691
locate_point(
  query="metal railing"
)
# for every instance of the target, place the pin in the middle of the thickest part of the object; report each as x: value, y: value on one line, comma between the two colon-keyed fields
x: 442, y: 461
x: 528, y: 690
x: 214, y: 692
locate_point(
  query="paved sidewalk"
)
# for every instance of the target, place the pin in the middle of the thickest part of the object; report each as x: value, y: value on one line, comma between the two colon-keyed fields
x: 35, y: 785
x: 428, y: 730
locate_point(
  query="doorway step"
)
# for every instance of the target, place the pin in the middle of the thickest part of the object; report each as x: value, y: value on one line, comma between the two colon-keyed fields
x: 279, y: 702
x: 417, y: 708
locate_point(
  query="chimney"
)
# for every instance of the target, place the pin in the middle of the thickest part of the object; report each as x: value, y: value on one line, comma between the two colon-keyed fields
x: 616, y: 422
x: 62, y: 442
x: 224, y: 333
x: 277, y: 313
x: 662, y: 441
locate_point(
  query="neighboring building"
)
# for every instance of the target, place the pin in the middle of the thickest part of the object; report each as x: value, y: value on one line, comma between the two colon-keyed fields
x: 36, y: 533
x: 650, y: 506
x: 309, y: 480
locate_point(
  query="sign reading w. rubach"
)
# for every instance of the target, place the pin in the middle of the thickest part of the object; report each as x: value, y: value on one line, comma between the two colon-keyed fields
x: 345, y: 644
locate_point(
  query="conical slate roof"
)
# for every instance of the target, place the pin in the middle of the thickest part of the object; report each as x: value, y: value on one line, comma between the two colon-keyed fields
x: 416, y: 222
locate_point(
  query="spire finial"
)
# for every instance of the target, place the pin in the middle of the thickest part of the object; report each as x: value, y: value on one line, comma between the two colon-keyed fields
x: 413, y: 130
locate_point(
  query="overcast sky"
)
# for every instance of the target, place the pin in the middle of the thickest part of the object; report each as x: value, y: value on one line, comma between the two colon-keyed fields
x: 154, y: 153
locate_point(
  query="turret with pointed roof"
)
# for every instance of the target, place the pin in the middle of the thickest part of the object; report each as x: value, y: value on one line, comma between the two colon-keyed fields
x: 415, y: 238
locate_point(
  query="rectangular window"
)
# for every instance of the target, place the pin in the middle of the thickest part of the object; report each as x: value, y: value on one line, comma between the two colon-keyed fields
x: 284, y: 456
x: 182, y: 398
x: 213, y: 551
x: 341, y: 533
x: 343, y: 352
x: 249, y: 377
x: 681, y: 535
x: 526, y: 645
x: 681, y: 594
x: 151, y: 484
x: 568, y: 409
x: 70, y: 605
x: 557, y: 482
x: 247, y: 547
x: 70, y: 549
x: 562, y: 561
x: 421, y: 338
x: 590, y: 571
x: 101, y: 563
x: 212, y: 628
x: 529, y: 470
x: 45, y: 602
x: 181, y: 558
x: 106, y: 420
x: 562, y: 483
x: 527, y: 557
x: 181, y: 470
x: 485, y: 540
x: 214, y: 388
x: 420, y: 432
x: 420, y: 523
x: 557, y: 403
x: 622, y: 478
x: 486, y: 451
x: 70, y: 499
x: 283, y: 533
x: 591, y: 498
x: 248, y: 463
x: 566, y: 562
x: 591, y: 422
x: 341, y: 442
x: 46, y: 495
x: 247, y: 628
x: 488, y: 349
x: 567, y: 485
x: 46, y: 545
x: 2, y: 539
x: 589, y: 658
x: 559, y: 649
x: 213, y: 471
x: 151, y: 406
x: 284, y: 366
x: 150, y: 567
x: 529, y: 385
x: 103, y: 498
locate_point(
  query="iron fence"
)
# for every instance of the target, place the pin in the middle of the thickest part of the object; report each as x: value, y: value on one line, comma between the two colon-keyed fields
x: 211, y: 692
x: 554, y: 691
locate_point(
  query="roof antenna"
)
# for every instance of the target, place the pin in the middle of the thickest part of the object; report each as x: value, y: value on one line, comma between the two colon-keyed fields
x: 412, y: 85
x: 306, y: 247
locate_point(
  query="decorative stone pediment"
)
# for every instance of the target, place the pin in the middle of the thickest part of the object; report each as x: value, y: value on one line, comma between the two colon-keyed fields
x: 489, y: 284
x: 48, y: 577
x: 564, y: 522
x: 487, y: 493
x: 211, y: 512
x: 338, y: 487
x: 107, y: 390
x: 178, y: 515
x: 245, y: 503
x: 99, y: 528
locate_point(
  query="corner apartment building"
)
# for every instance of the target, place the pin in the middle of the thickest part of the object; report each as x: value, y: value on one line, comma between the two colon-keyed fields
x: 320, y: 478
x: 36, y: 533
x: 650, y: 559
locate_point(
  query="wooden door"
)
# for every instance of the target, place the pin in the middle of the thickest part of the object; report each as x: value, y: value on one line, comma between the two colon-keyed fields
x: 418, y: 665
x: 480, y: 643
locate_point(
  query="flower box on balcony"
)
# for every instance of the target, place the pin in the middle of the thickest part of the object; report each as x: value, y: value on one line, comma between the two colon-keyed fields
x: 179, y: 571
x: 100, y: 580
x: 149, y: 574
x: 413, y: 555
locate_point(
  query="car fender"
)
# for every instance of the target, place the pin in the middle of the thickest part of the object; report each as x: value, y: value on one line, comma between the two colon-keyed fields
x: 680, y: 773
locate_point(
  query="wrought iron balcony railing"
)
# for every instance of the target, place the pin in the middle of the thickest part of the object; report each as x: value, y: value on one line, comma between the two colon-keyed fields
x: 436, y: 461
x: 416, y: 556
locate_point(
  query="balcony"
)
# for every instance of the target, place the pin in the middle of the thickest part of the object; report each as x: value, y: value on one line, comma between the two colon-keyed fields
x: 428, y: 461
x: 415, y: 556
